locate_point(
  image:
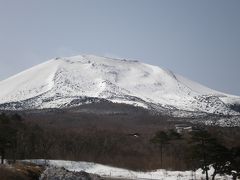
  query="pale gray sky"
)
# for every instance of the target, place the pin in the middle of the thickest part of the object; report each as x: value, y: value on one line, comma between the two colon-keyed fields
x: 197, y: 39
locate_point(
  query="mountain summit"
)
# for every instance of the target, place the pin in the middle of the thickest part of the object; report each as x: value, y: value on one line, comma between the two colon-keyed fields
x: 73, y: 81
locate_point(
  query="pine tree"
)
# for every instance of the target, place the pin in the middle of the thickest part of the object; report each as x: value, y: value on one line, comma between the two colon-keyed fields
x: 219, y: 158
x: 200, y: 141
x: 7, y: 135
x: 9, y: 130
x: 235, y: 163
x: 161, y: 139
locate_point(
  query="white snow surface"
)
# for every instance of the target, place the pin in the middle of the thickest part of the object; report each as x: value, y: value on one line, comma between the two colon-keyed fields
x: 114, y: 172
x: 59, y: 81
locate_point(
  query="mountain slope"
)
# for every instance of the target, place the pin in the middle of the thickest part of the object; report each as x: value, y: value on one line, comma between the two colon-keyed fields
x: 72, y: 81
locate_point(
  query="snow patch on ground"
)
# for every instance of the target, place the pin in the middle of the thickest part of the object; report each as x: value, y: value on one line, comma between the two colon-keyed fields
x: 109, y: 171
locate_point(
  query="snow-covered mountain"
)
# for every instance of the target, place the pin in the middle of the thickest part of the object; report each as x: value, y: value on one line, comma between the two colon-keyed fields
x: 72, y: 81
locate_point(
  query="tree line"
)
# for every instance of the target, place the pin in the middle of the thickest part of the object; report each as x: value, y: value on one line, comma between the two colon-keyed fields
x: 203, y: 151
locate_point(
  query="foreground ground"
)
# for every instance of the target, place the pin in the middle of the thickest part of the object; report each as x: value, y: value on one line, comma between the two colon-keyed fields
x: 57, y: 169
x: 109, y: 172
x: 20, y: 171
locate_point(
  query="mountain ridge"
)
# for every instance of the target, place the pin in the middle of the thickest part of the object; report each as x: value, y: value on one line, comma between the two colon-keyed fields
x: 60, y: 81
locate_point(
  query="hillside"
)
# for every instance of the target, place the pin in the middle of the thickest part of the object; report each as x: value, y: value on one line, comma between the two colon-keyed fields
x: 73, y: 81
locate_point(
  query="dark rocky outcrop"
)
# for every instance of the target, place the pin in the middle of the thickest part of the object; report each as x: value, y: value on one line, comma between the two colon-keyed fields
x: 54, y: 173
x: 235, y: 107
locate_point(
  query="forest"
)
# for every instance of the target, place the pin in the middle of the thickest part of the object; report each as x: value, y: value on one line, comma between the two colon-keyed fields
x: 148, y: 143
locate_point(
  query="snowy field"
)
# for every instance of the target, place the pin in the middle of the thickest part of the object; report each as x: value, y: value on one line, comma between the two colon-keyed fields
x: 113, y: 172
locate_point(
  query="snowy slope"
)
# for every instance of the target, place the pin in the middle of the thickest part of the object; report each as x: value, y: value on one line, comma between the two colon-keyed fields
x: 61, y: 81
x: 114, y: 172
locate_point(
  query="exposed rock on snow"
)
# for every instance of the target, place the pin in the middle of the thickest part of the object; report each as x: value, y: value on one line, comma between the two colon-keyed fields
x: 56, y: 173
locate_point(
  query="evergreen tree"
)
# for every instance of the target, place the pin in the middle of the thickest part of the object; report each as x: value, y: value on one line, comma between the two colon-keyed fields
x: 7, y: 135
x: 11, y: 128
x: 161, y: 139
x: 210, y: 152
x: 173, y: 135
x: 234, y: 169
x: 219, y: 157
x: 200, y: 141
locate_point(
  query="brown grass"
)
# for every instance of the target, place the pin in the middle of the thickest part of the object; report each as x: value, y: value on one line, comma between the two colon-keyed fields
x: 20, y: 172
